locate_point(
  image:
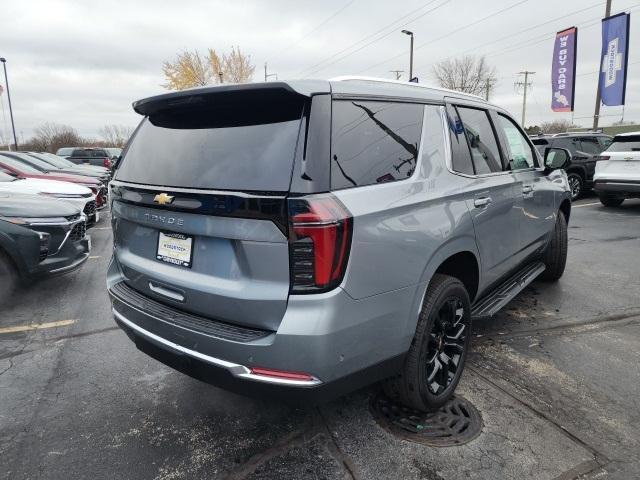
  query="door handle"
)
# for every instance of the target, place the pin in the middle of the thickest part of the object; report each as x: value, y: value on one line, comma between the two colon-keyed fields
x: 482, y: 202
x: 527, y: 189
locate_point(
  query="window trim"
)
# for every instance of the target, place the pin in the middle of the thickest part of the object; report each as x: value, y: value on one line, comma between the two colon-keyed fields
x: 386, y: 100
x: 487, y: 112
x: 448, y: 139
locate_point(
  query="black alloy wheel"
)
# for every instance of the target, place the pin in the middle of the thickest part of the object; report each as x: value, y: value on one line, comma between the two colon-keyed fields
x: 575, y: 184
x: 435, y: 360
x: 446, y: 345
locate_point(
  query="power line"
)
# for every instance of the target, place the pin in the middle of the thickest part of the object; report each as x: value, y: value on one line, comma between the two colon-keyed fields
x: 391, y: 25
x: 450, y: 33
x: 519, y: 32
x: 319, y: 26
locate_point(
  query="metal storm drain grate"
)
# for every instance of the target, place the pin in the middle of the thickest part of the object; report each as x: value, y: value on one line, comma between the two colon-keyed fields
x: 456, y: 423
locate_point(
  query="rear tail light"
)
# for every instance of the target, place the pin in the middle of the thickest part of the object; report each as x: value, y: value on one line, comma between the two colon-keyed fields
x: 601, y: 157
x: 106, y: 163
x: 320, y: 238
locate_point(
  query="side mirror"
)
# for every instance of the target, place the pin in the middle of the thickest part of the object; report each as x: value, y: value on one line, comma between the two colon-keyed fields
x: 556, y: 159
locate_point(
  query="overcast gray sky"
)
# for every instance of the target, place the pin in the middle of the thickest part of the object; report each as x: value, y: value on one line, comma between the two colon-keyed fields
x: 82, y: 63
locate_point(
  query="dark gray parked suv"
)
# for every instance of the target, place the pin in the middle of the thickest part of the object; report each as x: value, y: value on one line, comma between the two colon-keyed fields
x: 310, y: 237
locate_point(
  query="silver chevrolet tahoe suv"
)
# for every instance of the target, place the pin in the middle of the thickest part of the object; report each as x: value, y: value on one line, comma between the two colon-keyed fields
x: 307, y: 238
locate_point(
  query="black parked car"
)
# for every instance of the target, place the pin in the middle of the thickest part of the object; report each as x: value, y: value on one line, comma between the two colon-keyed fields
x: 584, y: 148
x: 88, y: 156
x: 38, y: 237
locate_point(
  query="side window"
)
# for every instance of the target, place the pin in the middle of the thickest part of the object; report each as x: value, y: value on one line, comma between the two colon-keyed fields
x: 433, y: 143
x: 373, y: 142
x: 605, y: 142
x: 590, y: 145
x: 520, y: 153
x: 567, y: 143
x: 460, y: 155
x: 481, y: 139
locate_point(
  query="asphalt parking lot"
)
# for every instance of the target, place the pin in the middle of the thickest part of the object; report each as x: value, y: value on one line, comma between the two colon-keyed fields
x: 555, y: 377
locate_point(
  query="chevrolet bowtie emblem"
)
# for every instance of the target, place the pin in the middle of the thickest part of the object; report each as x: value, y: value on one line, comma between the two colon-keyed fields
x: 163, y: 198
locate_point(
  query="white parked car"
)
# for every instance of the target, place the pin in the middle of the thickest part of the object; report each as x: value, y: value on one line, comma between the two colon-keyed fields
x: 617, y: 174
x: 81, y: 197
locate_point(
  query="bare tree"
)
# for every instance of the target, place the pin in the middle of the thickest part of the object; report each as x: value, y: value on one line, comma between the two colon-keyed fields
x: 192, y: 69
x: 469, y: 74
x: 49, y: 137
x: 556, y: 126
x: 115, y: 135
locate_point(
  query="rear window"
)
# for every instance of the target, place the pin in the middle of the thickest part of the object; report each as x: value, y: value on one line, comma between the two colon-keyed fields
x: 93, y: 153
x: 628, y: 143
x: 374, y: 142
x: 228, y: 147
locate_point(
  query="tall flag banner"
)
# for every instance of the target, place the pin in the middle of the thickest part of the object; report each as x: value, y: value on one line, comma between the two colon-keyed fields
x: 613, y: 71
x: 563, y: 70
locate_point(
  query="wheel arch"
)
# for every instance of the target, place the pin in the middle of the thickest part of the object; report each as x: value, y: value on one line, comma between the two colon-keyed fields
x: 565, y: 208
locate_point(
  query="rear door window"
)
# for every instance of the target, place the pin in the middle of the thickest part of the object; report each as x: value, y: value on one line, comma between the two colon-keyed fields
x: 460, y: 154
x: 234, y: 146
x: 373, y: 142
x: 590, y: 145
x: 481, y: 139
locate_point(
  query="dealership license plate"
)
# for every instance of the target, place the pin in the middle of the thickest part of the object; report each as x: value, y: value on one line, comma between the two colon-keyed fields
x: 175, y: 248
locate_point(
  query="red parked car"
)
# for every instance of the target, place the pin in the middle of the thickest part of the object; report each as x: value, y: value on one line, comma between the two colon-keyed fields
x: 13, y: 164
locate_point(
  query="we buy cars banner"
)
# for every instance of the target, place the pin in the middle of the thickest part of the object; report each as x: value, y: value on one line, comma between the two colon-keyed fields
x: 615, y: 47
x: 563, y: 70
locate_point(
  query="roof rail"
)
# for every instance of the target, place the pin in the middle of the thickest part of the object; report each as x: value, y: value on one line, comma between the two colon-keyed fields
x: 346, y: 78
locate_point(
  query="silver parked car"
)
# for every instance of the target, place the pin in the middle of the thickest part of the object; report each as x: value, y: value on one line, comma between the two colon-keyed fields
x: 310, y: 237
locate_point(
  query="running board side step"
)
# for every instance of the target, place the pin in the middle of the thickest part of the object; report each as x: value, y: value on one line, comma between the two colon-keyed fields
x: 490, y: 304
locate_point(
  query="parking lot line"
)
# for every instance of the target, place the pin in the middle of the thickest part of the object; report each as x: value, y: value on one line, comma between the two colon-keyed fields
x: 35, y: 326
x: 91, y: 257
x: 586, y: 204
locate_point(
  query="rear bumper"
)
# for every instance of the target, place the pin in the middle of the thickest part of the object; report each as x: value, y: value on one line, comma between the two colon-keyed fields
x: 342, y: 345
x: 620, y: 187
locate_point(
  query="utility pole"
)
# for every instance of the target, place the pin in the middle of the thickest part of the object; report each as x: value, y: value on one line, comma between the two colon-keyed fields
x: 524, y: 84
x: 6, y: 82
x: 221, y: 78
x: 267, y: 75
x: 487, y: 88
x: 407, y: 32
x: 397, y: 72
x: 596, y: 112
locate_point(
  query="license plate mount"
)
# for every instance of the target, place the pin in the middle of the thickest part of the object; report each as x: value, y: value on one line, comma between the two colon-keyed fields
x: 175, y: 248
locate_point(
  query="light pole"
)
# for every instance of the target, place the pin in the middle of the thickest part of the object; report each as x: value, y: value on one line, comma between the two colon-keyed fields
x: 6, y: 82
x: 407, y: 32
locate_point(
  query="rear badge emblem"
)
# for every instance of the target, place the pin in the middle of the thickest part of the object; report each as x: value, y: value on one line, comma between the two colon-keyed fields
x: 163, y: 199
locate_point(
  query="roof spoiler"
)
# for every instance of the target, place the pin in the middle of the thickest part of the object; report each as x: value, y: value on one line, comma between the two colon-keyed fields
x: 231, y: 92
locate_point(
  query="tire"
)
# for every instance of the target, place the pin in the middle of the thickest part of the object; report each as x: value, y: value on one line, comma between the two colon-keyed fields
x: 8, y: 278
x: 576, y: 184
x: 434, y: 345
x: 609, y: 201
x: 555, y: 256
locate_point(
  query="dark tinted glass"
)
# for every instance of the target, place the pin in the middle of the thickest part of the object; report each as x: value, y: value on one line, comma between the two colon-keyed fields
x: 590, y: 145
x: 481, y: 139
x: 629, y: 143
x: 568, y: 143
x: 374, y: 142
x: 460, y: 155
x: 220, y: 148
